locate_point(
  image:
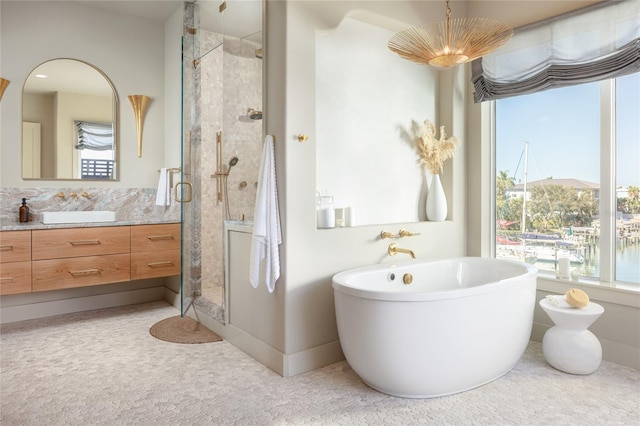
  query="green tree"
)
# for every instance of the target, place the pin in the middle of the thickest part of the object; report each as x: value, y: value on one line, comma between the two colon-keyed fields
x: 634, y: 199
x: 553, y: 207
x: 504, y: 183
x: 508, y: 209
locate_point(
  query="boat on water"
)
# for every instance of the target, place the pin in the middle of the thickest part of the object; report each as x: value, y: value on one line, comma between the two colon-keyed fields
x: 532, y: 248
x: 552, y: 254
x: 516, y: 252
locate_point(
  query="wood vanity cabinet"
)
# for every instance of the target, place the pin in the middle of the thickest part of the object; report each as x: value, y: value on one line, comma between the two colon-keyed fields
x: 79, y: 257
x: 155, y: 251
x: 52, y: 259
x: 15, y: 262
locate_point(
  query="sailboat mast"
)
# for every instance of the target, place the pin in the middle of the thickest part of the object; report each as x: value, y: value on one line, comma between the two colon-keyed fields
x: 523, y: 226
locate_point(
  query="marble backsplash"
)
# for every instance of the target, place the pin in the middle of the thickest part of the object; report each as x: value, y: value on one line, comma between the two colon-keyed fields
x: 135, y: 205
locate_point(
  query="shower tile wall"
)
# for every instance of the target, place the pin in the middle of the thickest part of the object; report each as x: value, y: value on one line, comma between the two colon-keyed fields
x: 231, y: 83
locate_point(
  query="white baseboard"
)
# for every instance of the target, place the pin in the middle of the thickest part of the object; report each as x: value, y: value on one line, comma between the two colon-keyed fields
x: 172, y: 298
x: 312, y: 358
x: 283, y: 364
x: 44, y: 309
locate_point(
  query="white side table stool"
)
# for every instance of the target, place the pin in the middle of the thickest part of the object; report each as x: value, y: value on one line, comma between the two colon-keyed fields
x: 568, y: 345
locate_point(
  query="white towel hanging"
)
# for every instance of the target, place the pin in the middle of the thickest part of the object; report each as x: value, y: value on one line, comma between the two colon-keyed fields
x: 267, y: 234
x: 163, y: 196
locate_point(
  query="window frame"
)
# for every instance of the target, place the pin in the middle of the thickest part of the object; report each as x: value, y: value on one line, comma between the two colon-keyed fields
x: 607, y: 203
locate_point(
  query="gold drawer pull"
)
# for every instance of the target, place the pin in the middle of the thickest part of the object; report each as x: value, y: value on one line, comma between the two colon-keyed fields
x: 85, y: 243
x: 160, y: 237
x: 83, y: 272
x: 6, y: 248
x: 7, y: 279
x: 160, y: 264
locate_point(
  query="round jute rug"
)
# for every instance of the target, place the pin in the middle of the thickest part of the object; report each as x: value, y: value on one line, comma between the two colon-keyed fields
x: 183, y: 330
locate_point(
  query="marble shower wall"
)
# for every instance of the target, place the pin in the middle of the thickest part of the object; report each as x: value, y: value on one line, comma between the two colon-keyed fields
x: 231, y: 83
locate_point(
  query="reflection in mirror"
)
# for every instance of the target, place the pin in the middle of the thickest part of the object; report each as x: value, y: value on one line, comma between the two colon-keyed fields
x: 68, y: 122
x: 369, y: 106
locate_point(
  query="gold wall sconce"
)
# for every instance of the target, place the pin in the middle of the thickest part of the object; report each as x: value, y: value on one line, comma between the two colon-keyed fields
x: 139, y: 104
x: 3, y: 85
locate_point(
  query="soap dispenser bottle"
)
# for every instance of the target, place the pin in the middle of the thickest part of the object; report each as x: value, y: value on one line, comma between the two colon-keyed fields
x: 24, y: 211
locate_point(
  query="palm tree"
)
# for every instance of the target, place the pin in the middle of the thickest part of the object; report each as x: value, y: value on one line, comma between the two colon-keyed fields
x: 634, y: 199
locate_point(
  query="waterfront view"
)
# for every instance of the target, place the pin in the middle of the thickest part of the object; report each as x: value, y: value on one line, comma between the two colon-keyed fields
x: 550, y: 173
x: 545, y: 252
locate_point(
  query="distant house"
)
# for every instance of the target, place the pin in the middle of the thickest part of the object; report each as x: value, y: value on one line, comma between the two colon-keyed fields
x: 577, y: 184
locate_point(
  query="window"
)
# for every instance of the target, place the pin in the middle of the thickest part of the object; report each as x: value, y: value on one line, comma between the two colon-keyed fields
x: 97, y: 154
x: 554, y: 180
x: 628, y: 178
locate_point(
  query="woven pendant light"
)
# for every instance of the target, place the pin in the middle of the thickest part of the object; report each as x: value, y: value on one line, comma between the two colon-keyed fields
x: 451, y: 42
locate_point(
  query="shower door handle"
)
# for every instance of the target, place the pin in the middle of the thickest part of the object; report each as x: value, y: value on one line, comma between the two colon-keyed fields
x: 189, y: 192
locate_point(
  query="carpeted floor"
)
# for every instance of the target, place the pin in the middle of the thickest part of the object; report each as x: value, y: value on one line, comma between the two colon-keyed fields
x: 104, y: 368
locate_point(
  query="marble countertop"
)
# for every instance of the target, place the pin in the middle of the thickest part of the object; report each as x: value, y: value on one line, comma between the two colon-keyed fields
x: 27, y: 226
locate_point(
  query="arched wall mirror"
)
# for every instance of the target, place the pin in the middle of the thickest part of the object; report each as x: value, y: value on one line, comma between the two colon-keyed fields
x: 69, y: 123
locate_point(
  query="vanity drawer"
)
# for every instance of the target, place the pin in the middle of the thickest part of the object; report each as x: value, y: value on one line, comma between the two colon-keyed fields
x: 80, y: 271
x: 155, y: 264
x: 15, y: 277
x: 155, y: 237
x: 74, y: 242
x: 15, y: 246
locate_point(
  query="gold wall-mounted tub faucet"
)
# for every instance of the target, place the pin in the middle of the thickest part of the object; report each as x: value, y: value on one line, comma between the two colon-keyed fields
x: 394, y: 249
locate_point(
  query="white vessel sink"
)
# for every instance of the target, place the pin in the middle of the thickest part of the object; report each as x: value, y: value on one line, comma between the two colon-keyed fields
x: 49, y: 218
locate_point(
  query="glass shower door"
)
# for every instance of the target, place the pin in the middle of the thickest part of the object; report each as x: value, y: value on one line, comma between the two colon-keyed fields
x: 200, y: 61
x: 222, y: 139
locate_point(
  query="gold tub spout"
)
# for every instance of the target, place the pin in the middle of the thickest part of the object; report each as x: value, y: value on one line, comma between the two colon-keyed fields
x: 394, y: 249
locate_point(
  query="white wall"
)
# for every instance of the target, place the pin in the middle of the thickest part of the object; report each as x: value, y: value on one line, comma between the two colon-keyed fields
x: 369, y: 105
x: 129, y: 50
x: 310, y: 257
x: 173, y: 88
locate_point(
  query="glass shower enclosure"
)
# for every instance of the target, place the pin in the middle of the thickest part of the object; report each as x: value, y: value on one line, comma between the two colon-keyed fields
x: 221, y: 135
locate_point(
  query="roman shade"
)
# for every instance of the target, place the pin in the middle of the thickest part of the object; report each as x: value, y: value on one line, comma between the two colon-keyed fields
x: 95, y: 136
x: 592, y: 44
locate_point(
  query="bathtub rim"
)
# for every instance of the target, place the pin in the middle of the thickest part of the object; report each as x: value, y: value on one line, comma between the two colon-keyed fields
x: 340, y: 280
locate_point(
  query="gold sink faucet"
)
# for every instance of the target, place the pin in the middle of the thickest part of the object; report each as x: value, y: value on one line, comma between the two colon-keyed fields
x: 74, y: 196
x: 394, y: 249
x: 60, y: 195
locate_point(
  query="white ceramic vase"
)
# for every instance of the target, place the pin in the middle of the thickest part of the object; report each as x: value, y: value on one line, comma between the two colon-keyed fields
x: 436, y: 201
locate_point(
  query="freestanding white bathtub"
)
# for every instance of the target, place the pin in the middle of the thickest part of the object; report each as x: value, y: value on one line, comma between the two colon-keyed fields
x: 461, y: 323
